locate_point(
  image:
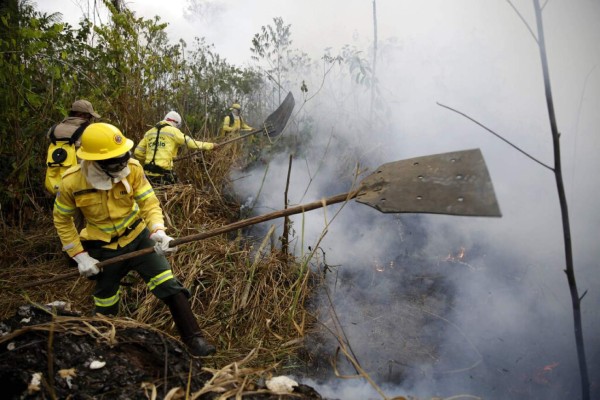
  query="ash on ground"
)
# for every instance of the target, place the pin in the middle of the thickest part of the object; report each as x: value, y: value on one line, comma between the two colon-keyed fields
x: 52, y: 352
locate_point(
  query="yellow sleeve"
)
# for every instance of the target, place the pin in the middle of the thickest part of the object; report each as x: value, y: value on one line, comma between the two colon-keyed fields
x: 195, y: 144
x: 146, y: 199
x: 140, y: 150
x: 246, y: 127
x: 63, y: 212
x: 226, y: 127
x: 190, y: 143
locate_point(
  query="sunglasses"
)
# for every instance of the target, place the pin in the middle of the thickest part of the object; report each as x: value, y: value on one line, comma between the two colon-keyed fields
x: 114, y: 164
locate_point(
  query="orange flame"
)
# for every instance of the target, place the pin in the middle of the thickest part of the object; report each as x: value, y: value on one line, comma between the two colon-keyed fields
x: 460, y: 256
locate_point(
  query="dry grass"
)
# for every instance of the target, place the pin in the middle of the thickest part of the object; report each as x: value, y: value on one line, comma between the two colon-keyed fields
x: 245, y: 297
x: 250, y: 300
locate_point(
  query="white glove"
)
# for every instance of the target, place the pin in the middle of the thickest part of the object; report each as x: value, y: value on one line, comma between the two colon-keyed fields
x: 162, y: 242
x: 86, y: 264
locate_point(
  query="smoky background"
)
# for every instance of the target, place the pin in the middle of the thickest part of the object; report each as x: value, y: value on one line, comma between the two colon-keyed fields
x: 437, y: 305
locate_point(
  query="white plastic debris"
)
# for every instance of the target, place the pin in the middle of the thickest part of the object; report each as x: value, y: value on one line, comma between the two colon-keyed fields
x: 11, y: 346
x: 57, y: 304
x: 34, y: 384
x: 97, y: 364
x: 281, y: 385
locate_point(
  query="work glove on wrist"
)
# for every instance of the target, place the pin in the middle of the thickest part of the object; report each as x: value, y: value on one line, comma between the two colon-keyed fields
x: 86, y: 264
x: 162, y: 242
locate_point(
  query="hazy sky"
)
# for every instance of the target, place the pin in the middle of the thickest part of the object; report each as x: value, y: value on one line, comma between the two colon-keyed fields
x: 231, y: 24
x: 512, y: 300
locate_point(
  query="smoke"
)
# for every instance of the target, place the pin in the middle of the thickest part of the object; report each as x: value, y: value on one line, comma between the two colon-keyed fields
x: 442, y: 305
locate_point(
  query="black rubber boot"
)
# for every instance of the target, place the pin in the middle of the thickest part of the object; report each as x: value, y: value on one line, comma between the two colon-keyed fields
x: 188, y: 328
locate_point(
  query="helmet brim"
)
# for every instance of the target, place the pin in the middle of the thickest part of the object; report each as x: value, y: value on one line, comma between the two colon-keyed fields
x: 105, y: 155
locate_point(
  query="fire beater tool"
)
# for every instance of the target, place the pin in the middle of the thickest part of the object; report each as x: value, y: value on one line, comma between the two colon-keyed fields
x: 455, y: 183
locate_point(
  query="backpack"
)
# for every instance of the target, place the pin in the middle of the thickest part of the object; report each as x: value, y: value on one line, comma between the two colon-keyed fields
x: 60, y: 157
x: 231, y: 122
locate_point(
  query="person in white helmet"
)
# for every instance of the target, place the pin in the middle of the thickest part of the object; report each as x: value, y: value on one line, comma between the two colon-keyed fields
x: 160, y: 145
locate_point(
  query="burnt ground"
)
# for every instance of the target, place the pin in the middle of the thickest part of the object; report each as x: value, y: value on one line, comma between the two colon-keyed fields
x: 61, y: 350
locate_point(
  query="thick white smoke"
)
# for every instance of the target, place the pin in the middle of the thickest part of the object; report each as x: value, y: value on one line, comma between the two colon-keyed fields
x: 496, y: 320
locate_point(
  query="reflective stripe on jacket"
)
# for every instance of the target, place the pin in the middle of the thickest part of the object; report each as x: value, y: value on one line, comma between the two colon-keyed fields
x: 108, y: 213
x: 170, y: 139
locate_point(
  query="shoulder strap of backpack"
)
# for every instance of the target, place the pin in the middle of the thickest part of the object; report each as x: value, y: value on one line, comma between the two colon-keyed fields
x: 77, y: 134
x: 158, y: 127
x: 231, y: 119
x: 52, y: 136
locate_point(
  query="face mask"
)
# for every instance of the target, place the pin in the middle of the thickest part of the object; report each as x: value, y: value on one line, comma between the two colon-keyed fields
x: 115, y: 164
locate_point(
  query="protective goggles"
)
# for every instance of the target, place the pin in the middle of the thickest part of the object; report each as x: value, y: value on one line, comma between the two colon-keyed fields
x: 114, y: 164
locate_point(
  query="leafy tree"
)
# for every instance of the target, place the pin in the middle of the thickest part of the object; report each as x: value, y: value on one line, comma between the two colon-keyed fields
x: 36, y: 74
x: 212, y: 85
x: 272, y: 47
x: 127, y: 68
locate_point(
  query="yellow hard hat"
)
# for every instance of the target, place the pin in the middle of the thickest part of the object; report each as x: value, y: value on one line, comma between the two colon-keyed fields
x: 236, y: 106
x: 102, y: 141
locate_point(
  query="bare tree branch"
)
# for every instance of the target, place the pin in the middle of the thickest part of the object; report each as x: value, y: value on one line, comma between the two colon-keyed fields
x: 497, y: 135
x: 523, y: 19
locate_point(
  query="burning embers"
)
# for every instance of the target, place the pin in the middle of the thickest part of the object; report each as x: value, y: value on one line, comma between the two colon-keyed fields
x: 541, y: 383
x: 458, y: 257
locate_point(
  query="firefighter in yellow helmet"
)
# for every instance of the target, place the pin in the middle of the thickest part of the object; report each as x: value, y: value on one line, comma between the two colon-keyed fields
x: 159, y: 147
x: 233, y: 122
x: 122, y: 215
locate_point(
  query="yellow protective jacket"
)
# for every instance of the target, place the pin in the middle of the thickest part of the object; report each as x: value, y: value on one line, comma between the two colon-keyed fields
x: 108, y: 213
x: 237, y: 125
x: 170, y: 139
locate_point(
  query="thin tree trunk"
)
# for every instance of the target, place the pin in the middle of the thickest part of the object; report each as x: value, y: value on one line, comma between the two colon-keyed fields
x: 576, y: 301
x: 285, y: 240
